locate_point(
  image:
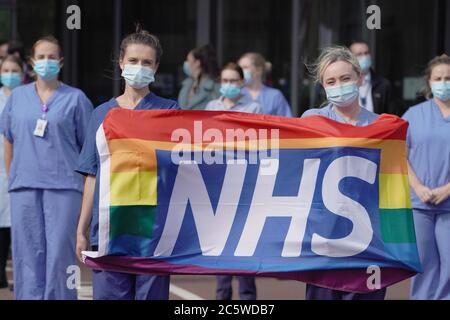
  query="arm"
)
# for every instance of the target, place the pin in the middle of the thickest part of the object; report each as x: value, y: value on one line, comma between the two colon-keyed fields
x: 434, y: 196
x: 85, y: 216
x: 83, y: 115
x: 424, y: 193
x: 7, y: 154
x: 441, y: 194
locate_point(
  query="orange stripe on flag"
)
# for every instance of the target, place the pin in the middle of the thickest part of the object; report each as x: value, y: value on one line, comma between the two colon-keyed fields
x: 144, y: 157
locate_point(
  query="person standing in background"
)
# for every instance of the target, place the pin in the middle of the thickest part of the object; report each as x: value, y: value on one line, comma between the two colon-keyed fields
x: 375, y: 91
x: 200, y: 86
x: 232, y: 99
x: 16, y: 48
x: 44, y: 125
x: 429, y: 179
x: 270, y: 99
x: 11, y: 76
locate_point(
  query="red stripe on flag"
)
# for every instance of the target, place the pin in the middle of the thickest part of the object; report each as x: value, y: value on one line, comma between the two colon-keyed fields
x: 159, y: 124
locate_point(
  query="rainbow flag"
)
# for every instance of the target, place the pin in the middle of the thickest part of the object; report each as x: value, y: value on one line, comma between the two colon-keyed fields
x: 206, y: 192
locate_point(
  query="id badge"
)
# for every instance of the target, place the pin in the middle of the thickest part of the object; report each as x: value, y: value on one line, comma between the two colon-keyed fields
x: 39, y: 131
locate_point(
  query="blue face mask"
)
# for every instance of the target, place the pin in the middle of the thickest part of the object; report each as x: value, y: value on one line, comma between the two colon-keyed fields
x: 47, y: 69
x: 342, y: 95
x: 138, y: 76
x: 229, y: 90
x: 441, y: 90
x: 248, y: 77
x: 365, y: 62
x: 187, y: 71
x: 11, y: 79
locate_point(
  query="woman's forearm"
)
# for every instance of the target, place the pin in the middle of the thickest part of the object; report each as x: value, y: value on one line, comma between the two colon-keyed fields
x: 414, y: 181
x: 7, y: 154
x: 86, y: 206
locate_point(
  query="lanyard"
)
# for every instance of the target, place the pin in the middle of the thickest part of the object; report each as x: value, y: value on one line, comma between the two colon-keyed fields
x: 44, y: 110
x: 44, y: 107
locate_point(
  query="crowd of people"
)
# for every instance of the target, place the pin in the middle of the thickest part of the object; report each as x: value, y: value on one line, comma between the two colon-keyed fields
x: 48, y: 188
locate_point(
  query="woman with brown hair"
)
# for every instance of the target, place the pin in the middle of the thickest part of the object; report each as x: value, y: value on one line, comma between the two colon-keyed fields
x: 44, y: 125
x: 11, y: 76
x: 232, y: 99
x: 200, y: 86
x: 429, y: 179
x: 140, y: 54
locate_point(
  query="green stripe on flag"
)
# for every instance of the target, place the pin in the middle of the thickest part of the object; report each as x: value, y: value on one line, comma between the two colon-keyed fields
x: 397, y: 225
x: 131, y: 220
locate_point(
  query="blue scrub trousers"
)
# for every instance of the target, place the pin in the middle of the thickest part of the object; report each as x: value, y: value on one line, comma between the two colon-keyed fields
x: 318, y: 293
x: 123, y: 286
x: 433, y: 243
x: 43, y: 227
x: 247, y: 288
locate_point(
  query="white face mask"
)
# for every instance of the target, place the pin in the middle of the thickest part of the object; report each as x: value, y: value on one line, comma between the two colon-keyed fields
x: 342, y: 95
x: 365, y: 62
x: 441, y: 90
x: 248, y: 77
x: 138, y: 76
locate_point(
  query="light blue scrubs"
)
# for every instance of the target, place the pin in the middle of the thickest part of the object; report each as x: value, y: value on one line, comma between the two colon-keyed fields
x: 365, y: 117
x: 429, y: 156
x: 272, y: 101
x: 5, y: 216
x: 45, y: 191
x: 114, y: 285
x: 244, y: 104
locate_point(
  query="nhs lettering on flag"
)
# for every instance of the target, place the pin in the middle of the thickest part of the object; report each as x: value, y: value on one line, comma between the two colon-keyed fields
x: 308, y: 199
x: 320, y: 202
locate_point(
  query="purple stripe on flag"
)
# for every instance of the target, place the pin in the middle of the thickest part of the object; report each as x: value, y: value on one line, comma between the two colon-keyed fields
x: 351, y: 280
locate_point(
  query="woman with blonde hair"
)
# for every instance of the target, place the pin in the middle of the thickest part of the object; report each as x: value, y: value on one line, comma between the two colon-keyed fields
x: 270, y: 99
x: 339, y: 72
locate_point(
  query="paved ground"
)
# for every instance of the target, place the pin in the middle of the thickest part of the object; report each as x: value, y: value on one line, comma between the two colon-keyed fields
x: 203, y: 287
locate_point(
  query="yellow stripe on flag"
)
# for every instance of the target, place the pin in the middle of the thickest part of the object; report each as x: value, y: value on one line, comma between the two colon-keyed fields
x: 133, y: 188
x: 394, y: 191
